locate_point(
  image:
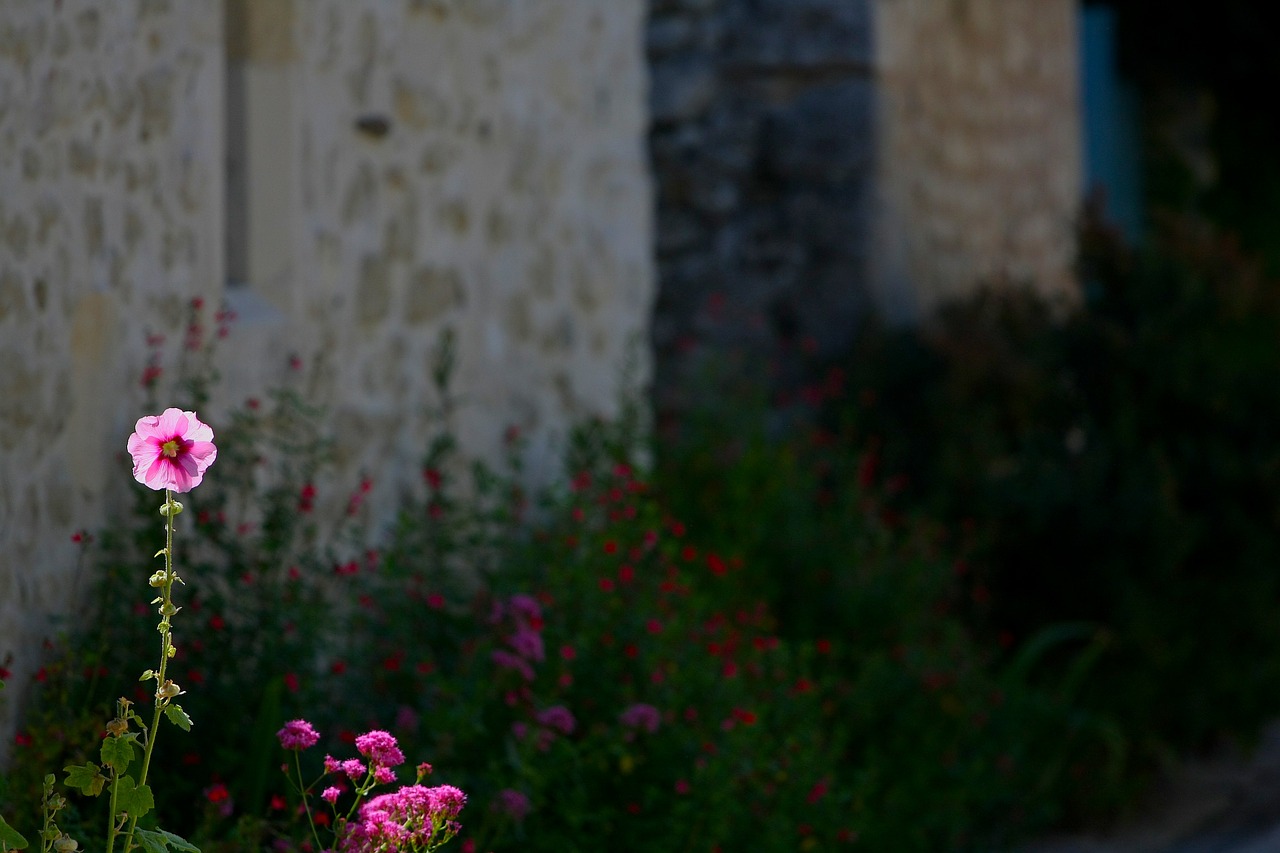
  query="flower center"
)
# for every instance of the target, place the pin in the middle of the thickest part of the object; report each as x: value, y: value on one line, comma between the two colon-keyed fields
x: 170, y: 448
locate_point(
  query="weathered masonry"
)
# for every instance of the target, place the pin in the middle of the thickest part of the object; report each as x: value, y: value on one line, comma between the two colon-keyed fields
x: 353, y: 177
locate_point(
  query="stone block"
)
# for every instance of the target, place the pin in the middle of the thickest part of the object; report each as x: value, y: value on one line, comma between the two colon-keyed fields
x: 799, y: 34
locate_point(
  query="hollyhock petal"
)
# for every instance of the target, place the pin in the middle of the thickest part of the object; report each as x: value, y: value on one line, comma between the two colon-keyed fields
x: 156, y: 475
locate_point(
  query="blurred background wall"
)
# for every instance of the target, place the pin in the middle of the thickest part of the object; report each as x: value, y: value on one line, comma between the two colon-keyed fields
x: 350, y: 179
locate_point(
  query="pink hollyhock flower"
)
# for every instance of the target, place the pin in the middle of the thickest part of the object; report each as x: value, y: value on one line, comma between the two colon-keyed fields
x: 171, y: 451
x: 298, y: 734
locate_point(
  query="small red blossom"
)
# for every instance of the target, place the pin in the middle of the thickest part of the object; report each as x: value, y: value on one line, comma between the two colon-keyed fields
x: 23, y: 739
x: 217, y: 793
x: 291, y: 682
x: 606, y: 584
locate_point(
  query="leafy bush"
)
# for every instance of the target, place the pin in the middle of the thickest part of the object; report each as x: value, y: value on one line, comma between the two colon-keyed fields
x: 1117, y: 463
x: 756, y: 647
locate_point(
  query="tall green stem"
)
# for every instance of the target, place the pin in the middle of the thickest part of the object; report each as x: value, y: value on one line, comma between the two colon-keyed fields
x: 166, y: 648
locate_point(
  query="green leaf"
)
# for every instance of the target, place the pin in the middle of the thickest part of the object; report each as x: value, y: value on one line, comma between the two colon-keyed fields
x: 160, y: 841
x: 137, y: 801
x: 117, y: 752
x: 10, y: 837
x: 85, y: 778
x: 178, y: 717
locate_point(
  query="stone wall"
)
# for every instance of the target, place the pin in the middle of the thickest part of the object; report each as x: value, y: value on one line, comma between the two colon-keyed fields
x: 763, y: 148
x: 980, y: 162
x: 816, y: 159
x: 473, y: 165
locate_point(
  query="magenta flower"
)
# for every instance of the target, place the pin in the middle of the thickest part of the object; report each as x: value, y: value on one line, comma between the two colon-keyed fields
x: 412, y: 818
x: 298, y: 734
x: 558, y: 717
x: 171, y: 451
x: 641, y: 716
x: 513, y: 803
x: 380, y: 748
x: 354, y: 769
x: 330, y: 794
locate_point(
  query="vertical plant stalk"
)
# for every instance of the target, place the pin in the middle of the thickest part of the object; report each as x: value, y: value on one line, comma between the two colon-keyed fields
x: 165, y: 691
x: 297, y: 763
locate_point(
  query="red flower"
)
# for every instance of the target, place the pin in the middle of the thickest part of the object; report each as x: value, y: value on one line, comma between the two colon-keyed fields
x: 217, y: 793
x: 22, y: 739
x: 291, y: 682
x: 277, y: 802
x: 716, y: 565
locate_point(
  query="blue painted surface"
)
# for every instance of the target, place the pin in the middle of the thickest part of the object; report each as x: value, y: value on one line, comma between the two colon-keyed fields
x: 1112, y: 127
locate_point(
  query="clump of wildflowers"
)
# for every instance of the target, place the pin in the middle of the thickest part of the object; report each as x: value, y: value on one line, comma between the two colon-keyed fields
x: 413, y: 818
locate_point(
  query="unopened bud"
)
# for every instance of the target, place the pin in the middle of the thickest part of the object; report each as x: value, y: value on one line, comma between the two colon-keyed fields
x: 168, y: 690
x: 65, y: 844
x: 117, y: 727
x: 170, y: 508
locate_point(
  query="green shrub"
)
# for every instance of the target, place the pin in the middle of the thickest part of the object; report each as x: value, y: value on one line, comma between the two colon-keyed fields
x: 1117, y: 463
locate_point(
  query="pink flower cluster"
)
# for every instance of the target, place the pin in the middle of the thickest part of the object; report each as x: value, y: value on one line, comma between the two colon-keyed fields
x: 412, y: 818
x: 525, y: 640
x: 297, y: 735
x: 641, y: 717
x: 515, y: 804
